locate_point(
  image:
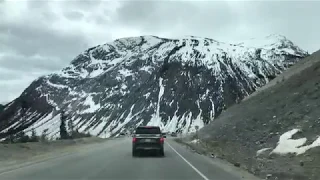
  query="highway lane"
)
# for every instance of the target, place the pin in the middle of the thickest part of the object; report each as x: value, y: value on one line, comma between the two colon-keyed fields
x: 113, y: 160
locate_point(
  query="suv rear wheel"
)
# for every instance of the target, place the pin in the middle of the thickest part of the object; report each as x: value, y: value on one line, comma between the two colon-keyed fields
x: 134, y: 152
x: 161, y: 153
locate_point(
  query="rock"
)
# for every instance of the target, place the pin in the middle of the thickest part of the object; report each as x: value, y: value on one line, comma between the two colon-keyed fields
x: 301, y: 163
x: 237, y: 164
x: 268, y: 176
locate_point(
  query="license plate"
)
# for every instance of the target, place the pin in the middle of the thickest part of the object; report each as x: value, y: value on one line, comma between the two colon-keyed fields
x: 147, y: 140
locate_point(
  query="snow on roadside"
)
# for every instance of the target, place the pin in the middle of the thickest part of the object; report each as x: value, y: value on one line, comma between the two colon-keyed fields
x: 195, y: 141
x: 259, y: 152
x: 287, y: 145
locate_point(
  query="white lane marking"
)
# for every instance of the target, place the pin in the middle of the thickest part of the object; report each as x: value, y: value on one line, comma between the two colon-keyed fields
x: 194, y: 168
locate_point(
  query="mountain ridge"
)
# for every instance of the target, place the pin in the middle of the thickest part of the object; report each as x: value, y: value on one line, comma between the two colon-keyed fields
x: 175, y: 83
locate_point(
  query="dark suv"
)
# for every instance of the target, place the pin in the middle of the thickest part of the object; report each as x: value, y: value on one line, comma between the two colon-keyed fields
x: 148, y: 138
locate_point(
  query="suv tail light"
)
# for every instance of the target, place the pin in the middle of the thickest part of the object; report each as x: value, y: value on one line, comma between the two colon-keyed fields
x: 134, y: 139
x: 161, y: 139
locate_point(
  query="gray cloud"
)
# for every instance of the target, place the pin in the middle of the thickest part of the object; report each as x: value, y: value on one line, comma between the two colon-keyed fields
x: 31, y: 63
x: 29, y: 40
x: 183, y: 16
x: 7, y: 75
x: 225, y: 20
x: 39, y: 37
x: 73, y: 15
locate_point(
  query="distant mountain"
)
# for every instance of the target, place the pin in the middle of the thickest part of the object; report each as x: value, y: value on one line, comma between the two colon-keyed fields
x: 175, y: 83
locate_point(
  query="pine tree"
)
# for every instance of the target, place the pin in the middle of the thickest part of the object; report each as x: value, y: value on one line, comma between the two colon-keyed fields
x: 34, y: 137
x: 24, y: 108
x: 22, y: 137
x: 206, y: 118
x: 70, y: 127
x: 63, y: 129
x: 44, y: 137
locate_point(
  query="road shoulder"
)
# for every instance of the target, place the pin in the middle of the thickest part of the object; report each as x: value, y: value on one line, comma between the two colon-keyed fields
x: 15, y: 156
x: 199, y: 152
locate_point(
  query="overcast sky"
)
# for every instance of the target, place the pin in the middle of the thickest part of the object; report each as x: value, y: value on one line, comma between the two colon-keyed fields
x: 39, y: 37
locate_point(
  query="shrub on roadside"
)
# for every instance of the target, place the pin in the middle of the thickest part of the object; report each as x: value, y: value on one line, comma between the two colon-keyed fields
x: 76, y: 135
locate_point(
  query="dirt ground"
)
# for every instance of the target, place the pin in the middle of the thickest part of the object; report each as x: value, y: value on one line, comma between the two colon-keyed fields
x: 19, y: 153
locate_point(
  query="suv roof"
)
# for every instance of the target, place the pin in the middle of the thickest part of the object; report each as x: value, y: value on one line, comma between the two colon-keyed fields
x: 148, y: 130
x: 148, y: 127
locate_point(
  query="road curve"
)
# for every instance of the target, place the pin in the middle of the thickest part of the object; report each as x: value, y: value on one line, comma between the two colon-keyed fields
x: 113, y: 160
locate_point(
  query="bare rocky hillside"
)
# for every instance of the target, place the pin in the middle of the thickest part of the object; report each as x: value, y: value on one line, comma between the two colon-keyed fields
x: 275, y: 132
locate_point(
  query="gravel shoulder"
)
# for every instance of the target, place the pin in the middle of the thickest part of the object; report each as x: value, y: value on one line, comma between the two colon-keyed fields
x: 16, y: 155
x: 202, y: 149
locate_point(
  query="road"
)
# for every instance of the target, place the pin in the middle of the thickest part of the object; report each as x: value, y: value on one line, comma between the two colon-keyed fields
x: 113, y: 160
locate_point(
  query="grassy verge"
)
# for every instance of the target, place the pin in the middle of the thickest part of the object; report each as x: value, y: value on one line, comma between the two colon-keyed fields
x: 26, y: 151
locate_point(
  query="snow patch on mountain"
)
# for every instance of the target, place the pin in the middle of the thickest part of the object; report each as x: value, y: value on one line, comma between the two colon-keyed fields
x: 155, y: 118
x: 92, y: 106
x: 147, y: 69
x: 198, y: 121
x: 126, y: 120
x: 125, y: 72
x: 48, y: 125
x: 56, y: 85
x: 171, y: 125
x: 187, y: 120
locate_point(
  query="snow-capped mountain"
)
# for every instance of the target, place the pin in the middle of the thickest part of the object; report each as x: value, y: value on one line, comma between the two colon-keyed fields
x: 175, y: 83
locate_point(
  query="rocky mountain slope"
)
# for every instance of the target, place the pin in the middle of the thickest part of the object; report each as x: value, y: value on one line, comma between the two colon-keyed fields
x: 274, y: 133
x: 1, y: 107
x: 175, y: 83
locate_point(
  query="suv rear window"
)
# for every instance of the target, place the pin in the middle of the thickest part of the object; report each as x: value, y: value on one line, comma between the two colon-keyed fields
x: 148, y: 130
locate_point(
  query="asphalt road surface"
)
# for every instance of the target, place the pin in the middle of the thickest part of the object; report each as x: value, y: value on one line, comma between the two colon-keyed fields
x: 113, y: 160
